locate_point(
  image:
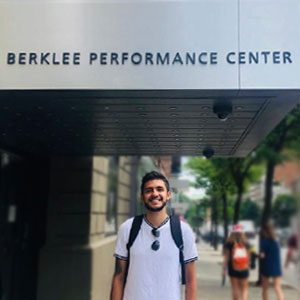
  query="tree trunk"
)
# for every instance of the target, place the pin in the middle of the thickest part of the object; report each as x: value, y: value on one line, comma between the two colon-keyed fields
x: 237, y: 204
x: 268, y: 192
x: 216, y: 235
x: 211, y: 240
x: 225, y: 216
x: 214, y: 221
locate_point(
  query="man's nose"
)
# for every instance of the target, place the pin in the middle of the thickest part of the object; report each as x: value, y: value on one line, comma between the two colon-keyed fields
x: 154, y: 192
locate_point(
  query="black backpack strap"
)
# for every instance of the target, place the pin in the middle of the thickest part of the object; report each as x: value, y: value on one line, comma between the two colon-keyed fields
x: 134, y: 230
x: 177, y: 237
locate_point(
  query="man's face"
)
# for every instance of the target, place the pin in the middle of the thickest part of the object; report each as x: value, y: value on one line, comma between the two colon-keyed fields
x: 155, y: 195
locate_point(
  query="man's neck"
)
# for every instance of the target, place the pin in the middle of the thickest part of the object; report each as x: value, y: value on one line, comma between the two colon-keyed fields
x: 156, y: 218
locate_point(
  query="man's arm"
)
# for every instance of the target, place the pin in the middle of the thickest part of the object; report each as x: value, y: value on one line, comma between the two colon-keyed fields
x: 191, y: 281
x: 118, y: 281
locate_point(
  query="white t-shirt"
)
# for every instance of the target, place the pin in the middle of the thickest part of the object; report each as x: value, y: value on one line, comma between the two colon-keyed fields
x: 154, y: 275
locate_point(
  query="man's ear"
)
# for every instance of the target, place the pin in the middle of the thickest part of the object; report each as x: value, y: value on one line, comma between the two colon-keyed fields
x: 169, y: 195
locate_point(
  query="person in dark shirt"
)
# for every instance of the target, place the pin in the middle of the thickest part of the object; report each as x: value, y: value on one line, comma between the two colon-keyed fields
x: 270, y: 262
x: 292, y: 254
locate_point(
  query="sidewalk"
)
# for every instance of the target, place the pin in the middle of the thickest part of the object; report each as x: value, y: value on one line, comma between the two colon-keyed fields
x: 209, y: 279
x: 291, y: 275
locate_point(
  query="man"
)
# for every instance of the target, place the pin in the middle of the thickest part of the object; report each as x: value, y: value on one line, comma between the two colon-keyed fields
x: 154, y: 267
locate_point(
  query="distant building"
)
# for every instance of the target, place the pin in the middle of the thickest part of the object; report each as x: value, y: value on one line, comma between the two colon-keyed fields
x: 286, y: 179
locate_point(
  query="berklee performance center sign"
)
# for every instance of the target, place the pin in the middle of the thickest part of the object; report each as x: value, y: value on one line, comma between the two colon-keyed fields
x: 150, y: 44
x: 147, y: 58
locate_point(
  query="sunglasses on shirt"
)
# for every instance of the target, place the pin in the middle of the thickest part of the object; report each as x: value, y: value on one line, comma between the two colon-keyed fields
x: 155, y: 245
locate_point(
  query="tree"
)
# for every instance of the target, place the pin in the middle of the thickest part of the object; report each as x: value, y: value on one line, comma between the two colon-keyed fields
x: 212, y: 175
x: 223, y: 177
x: 285, y: 135
x: 250, y: 211
x: 197, y: 212
x: 243, y: 171
x: 284, y: 208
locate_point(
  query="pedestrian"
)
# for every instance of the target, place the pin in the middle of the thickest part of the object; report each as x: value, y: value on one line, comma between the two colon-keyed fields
x: 270, y: 261
x: 292, y: 254
x: 236, y: 262
x: 150, y: 269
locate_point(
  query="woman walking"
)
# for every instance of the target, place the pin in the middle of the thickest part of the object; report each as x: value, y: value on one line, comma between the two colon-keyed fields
x: 236, y: 263
x: 270, y: 262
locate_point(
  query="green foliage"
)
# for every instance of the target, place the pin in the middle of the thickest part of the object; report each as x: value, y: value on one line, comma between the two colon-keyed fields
x: 293, y: 143
x: 230, y: 207
x: 197, y: 212
x: 277, y: 147
x: 245, y: 170
x: 212, y: 175
x: 181, y: 197
x: 286, y: 135
x: 284, y: 208
x: 250, y: 211
x: 230, y: 176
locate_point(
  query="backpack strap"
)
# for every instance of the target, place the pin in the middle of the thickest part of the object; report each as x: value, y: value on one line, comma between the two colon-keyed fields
x: 177, y: 237
x: 134, y: 230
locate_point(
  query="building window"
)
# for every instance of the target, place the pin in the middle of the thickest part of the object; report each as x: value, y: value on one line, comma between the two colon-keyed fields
x: 112, y: 191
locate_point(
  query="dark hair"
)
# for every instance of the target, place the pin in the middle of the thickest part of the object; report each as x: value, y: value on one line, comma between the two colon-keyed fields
x: 237, y: 237
x: 267, y: 230
x: 153, y: 175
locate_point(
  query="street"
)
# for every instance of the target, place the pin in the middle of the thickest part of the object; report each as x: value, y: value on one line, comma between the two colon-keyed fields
x: 209, y: 279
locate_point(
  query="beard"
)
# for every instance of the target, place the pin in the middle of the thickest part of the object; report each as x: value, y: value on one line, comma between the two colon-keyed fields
x: 155, y: 209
